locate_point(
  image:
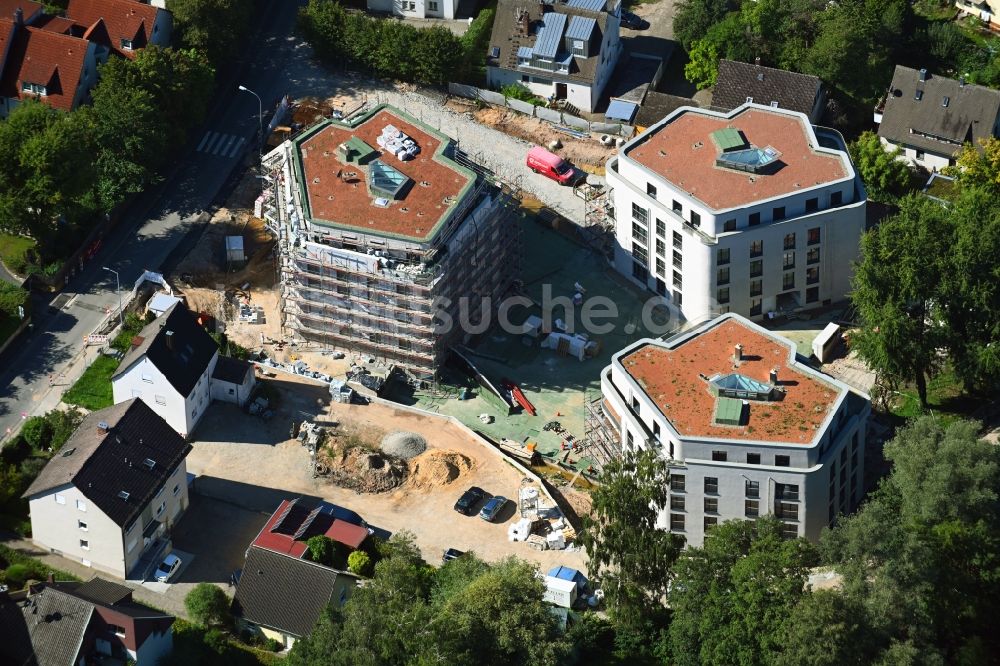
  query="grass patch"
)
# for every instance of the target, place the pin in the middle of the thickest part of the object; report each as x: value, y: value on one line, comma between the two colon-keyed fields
x: 35, y: 569
x: 14, y: 252
x: 93, y: 389
x: 946, y: 399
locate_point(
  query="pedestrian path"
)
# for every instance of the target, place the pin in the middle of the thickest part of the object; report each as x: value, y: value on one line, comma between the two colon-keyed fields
x: 223, y: 145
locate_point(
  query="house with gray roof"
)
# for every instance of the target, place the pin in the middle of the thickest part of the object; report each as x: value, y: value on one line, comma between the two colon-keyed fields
x: 557, y: 49
x: 65, y: 624
x: 443, y: 9
x: 931, y: 117
x: 741, y: 83
x: 112, y: 494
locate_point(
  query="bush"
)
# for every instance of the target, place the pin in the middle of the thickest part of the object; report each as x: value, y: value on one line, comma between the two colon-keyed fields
x: 359, y: 563
x: 207, y: 605
x: 17, y: 575
x: 37, y: 431
x: 274, y: 645
x: 16, y: 451
x: 518, y: 91
x: 11, y: 296
x: 133, y: 324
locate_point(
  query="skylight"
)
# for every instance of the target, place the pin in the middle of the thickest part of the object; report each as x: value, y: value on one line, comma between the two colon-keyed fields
x: 751, y: 160
x: 122, y: 494
x: 739, y: 386
x: 386, y: 180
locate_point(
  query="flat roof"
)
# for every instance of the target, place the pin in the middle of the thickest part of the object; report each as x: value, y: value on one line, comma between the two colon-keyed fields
x: 675, y: 376
x: 338, y: 192
x: 683, y: 151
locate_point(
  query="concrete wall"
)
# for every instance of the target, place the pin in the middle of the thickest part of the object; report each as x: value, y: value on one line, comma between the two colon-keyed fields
x: 55, y: 527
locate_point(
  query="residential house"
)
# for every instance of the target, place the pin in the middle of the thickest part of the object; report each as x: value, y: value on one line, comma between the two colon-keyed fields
x: 66, y: 624
x: 931, y: 117
x: 119, y: 26
x: 112, y: 494
x: 445, y: 9
x: 282, y: 596
x: 293, y: 523
x: 563, y: 50
x: 232, y: 381
x: 987, y: 11
x: 745, y: 427
x: 170, y: 367
x: 753, y: 211
x: 739, y: 83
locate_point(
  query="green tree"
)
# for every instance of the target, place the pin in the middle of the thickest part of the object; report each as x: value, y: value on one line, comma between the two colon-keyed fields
x: 694, y: 18
x: 207, y: 605
x: 894, y: 290
x: 731, y: 597
x: 885, y: 175
x: 476, y: 42
x: 323, y: 23
x: 437, y: 55
x: 702, y: 68
x: 628, y: 553
x: 321, y: 549
x: 11, y: 483
x: 826, y: 628
x: 217, y: 28
x: 359, y: 562
x: 64, y: 423
x: 37, y: 431
x: 978, y: 167
x: 11, y: 298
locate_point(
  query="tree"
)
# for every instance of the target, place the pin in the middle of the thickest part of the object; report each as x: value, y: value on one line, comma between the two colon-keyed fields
x: 321, y: 549
x: 437, y: 55
x: 885, y: 175
x: 11, y: 482
x: 826, y: 628
x: 37, y: 431
x: 359, y: 562
x: 11, y: 298
x: 894, y: 290
x: 628, y: 552
x: 217, y: 28
x: 694, y: 18
x: 702, y: 68
x: 207, y: 604
x: 978, y: 167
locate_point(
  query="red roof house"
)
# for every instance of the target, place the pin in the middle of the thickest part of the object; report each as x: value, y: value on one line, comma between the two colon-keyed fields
x: 122, y: 26
x: 292, y: 524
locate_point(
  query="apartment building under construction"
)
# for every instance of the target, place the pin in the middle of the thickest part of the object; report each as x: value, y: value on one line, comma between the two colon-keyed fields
x: 384, y: 228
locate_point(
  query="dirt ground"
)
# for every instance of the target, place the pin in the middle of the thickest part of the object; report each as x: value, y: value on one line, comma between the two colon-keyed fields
x: 241, y: 460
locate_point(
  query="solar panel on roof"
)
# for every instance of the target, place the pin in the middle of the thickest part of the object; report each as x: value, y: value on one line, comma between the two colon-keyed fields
x: 307, y: 523
x: 550, y: 35
x: 587, y: 5
x: 284, y: 514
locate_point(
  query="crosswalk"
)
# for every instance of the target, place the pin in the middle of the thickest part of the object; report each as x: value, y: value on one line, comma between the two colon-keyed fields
x: 223, y: 145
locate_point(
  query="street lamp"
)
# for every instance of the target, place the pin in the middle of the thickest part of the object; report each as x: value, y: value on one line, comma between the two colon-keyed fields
x: 260, y: 122
x: 118, y: 289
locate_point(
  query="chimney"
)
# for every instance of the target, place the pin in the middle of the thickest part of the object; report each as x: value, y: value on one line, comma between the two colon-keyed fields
x: 738, y: 353
x: 774, y: 376
x: 102, y: 428
x: 756, y: 61
x: 169, y: 340
x: 961, y: 81
x: 51, y: 578
x: 19, y: 16
x: 923, y: 74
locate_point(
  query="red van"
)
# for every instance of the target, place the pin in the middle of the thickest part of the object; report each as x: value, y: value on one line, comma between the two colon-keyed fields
x: 552, y: 166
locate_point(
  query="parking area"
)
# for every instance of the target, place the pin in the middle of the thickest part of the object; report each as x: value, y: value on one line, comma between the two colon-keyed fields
x: 246, y: 469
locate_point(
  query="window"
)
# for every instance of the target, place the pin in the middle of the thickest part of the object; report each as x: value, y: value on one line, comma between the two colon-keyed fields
x: 635, y: 404
x: 751, y: 508
x: 790, y: 241
x: 678, y: 259
x: 813, y: 236
x: 786, y: 491
x: 782, y: 461
x: 193, y: 412
x: 677, y: 503
x: 232, y: 391
x: 719, y: 456
x: 177, y: 488
x: 837, y: 198
x: 788, y: 281
x: 778, y: 213
x: 677, y: 298
x: 629, y: 441
x: 754, y: 219
x: 677, y: 207
x: 678, y: 280
x: 84, y: 544
x: 711, y: 485
x: 752, y: 489
x: 711, y: 505
x: 678, y: 241
x: 81, y: 505
x: 661, y: 227
x: 722, y: 275
x: 788, y: 260
x: 812, y: 205
x: 146, y: 378
x: 749, y: 100
x: 677, y: 522
x: 812, y: 256
x: 82, y: 525
x: 639, y: 213
x: 812, y: 275
x: 753, y: 458
x: 756, y: 268
x: 710, y: 522
x: 755, y: 306
x: 677, y: 483
x: 661, y: 247
x: 756, y: 286
x: 729, y: 225
x: 756, y: 248
x: 787, y: 511
x: 119, y: 631
x: 159, y: 509
x: 789, y: 530
x: 920, y: 156
x: 650, y: 188
x: 722, y: 256
x: 695, y: 219
x: 722, y: 295
x: 639, y: 232
x: 132, y: 544
x: 126, y: 44
x: 639, y: 252
x: 160, y: 399
x: 661, y: 266
x: 36, y: 88
x: 60, y: 499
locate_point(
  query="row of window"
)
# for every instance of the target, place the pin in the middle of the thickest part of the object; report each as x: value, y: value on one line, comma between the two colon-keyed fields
x: 751, y: 507
x: 778, y: 213
x: 783, y: 491
x: 677, y: 524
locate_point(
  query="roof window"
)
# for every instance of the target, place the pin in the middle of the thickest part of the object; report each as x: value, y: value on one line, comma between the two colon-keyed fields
x: 123, y: 495
x: 149, y: 464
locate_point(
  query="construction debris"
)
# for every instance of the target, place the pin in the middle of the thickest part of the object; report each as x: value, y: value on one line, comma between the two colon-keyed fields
x: 403, y: 445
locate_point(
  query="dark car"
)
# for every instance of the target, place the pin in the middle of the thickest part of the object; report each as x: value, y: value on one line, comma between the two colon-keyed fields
x: 451, y: 554
x: 633, y: 21
x: 493, y: 508
x: 466, y: 504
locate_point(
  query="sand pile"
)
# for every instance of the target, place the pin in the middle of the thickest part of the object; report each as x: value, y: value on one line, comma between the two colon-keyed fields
x: 438, y: 468
x: 403, y: 445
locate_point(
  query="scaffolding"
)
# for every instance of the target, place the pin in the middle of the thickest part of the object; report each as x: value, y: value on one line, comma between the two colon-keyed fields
x: 601, y: 440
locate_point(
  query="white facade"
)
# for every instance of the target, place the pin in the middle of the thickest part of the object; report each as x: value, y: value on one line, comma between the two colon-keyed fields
x: 145, y: 381
x: 785, y: 252
x: 985, y: 10
x: 806, y: 485
x: 919, y: 158
x: 65, y: 522
x: 415, y: 8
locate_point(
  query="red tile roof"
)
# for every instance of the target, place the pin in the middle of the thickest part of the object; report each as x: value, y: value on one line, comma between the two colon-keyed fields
x: 110, y: 21
x: 28, y: 8
x: 279, y: 532
x: 682, y: 151
x: 56, y: 24
x: 674, y: 379
x: 47, y: 58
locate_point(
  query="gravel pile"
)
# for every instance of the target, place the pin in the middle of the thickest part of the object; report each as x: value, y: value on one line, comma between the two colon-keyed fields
x: 403, y: 445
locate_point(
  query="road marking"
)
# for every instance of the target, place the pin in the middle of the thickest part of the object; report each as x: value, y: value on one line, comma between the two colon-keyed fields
x: 223, y: 146
x: 203, y: 140
x: 236, y: 148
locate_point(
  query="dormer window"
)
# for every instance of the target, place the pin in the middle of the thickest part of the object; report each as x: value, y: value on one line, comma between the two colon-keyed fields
x: 33, y: 88
x: 127, y: 44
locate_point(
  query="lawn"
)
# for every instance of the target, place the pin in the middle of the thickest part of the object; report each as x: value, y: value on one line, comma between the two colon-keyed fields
x: 13, y: 250
x: 946, y: 399
x: 93, y: 389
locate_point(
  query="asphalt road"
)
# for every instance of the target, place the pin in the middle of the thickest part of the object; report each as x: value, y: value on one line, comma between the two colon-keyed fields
x: 39, y: 367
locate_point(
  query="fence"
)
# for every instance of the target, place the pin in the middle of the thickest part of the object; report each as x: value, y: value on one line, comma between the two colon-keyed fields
x: 554, y: 116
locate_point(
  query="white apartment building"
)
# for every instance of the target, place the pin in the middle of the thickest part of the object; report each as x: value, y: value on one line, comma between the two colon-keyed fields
x: 415, y: 8
x: 112, y: 494
x: 752, y: 211
x: 747, y: 429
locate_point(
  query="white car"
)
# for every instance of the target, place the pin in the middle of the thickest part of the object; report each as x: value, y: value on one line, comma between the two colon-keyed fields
x: 168, y: 567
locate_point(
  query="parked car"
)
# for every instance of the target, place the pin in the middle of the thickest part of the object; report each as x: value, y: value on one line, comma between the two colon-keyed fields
x: 168, y: 567
x: 466, y: 504
x: 493, y: 508
x: 633, y: 21
x: 552, y: 166
x: 451, y: 554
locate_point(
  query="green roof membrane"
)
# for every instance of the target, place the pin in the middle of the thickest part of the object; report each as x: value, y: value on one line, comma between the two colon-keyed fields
x: 728, y: 138
x: 729, y: 411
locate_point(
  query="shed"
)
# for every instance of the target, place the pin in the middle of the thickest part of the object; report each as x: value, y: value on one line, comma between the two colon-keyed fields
x: 560, y: 592
x: 161, y: 302
x: 233, y: 380
x: 621, y: 110
x: 234, y: 249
